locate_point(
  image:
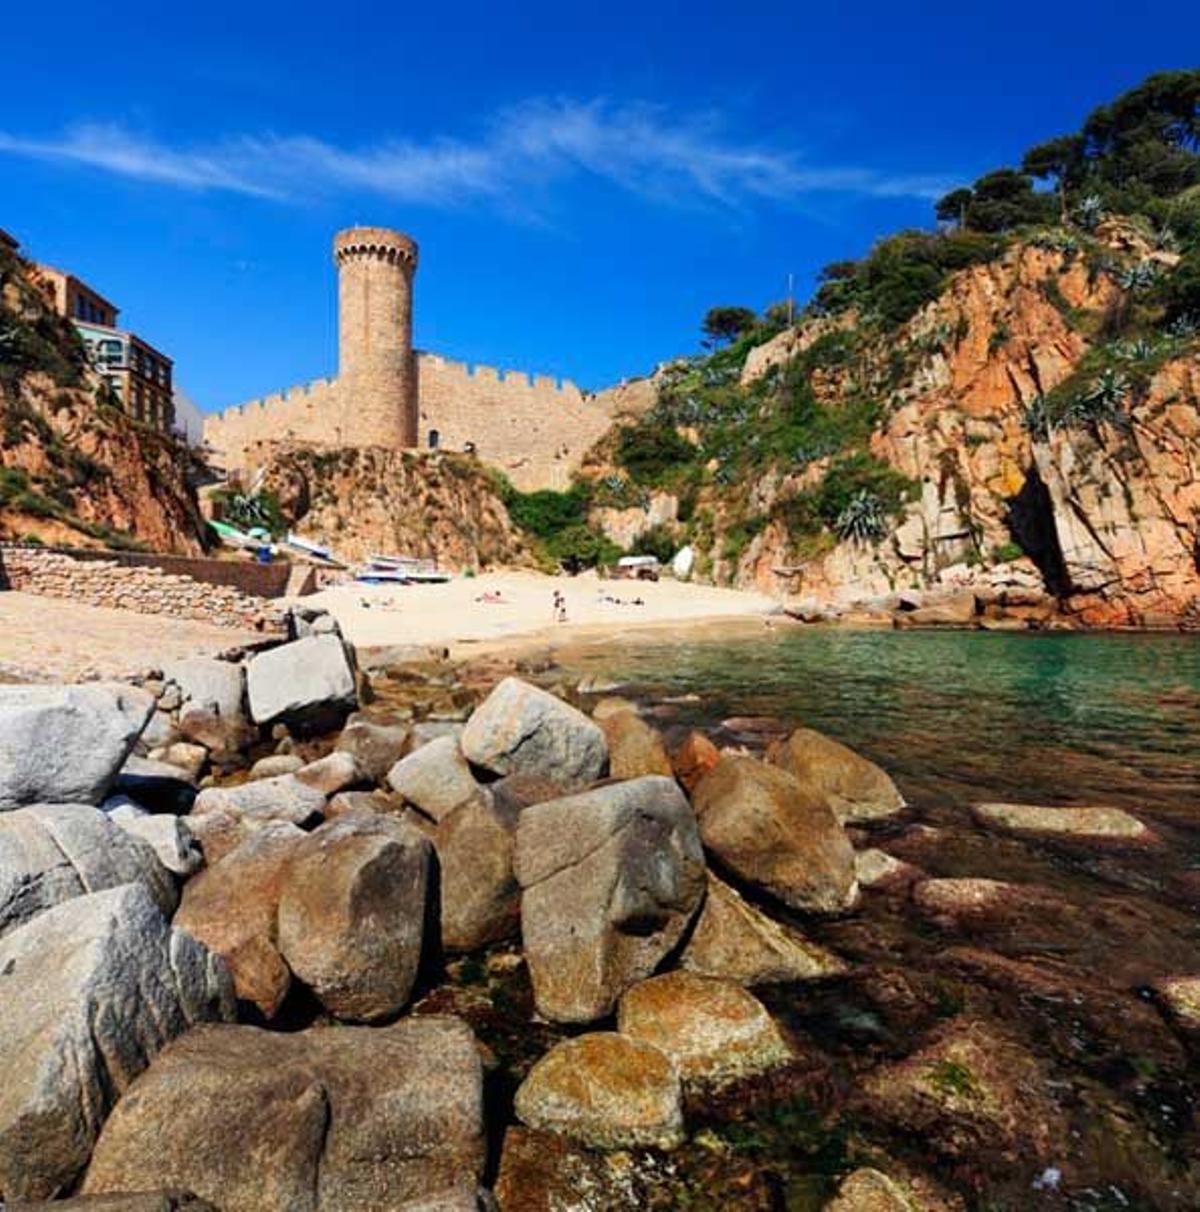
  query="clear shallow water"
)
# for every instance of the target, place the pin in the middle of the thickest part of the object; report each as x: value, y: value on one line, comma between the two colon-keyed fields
x: 1054, y: 717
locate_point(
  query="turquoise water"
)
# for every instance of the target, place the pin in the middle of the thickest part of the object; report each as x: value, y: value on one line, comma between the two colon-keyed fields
x: 1054, y: 717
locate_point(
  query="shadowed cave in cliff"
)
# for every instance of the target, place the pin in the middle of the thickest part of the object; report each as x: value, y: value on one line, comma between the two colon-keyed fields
x: 1030, y: 519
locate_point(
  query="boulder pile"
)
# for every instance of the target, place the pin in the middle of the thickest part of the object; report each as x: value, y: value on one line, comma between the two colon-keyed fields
x: 201, y: 876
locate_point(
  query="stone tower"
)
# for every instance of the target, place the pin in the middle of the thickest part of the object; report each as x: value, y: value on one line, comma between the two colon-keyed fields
x: 377, y: 375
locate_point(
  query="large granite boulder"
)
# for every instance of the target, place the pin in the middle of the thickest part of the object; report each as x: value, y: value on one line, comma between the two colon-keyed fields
x: 634, y: 747
x: 857, y: 790
x: 776, y: 835
x: 481, y: 899
x: 868, y: 1190
x: 212, y: 707
x: 435, y: 777
x: 610, y: 879
x: 733, y: 939
x: 375, y: 743
x: 713, y: 1030
x: 282, y: 798
x: 89, y: 993
x: 520, y: 729
x: 329, y: 1120
x: 168, y: 836
x: 65, y: 744
x: 606, y: 1091
x: 352, y: 909
x: 308, y: 685
x: 143, y: 1201
x: 51, y: 853
x: 232, y: 907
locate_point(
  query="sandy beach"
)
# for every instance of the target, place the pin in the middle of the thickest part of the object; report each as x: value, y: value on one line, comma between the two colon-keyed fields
x: 459, y: 616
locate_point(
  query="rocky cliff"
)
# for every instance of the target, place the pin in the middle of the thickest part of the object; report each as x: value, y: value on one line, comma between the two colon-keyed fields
x: 370, y: 500
x: 74, y: 469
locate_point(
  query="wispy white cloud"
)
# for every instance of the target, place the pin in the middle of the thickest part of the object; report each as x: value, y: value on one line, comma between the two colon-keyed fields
x: 520, y: 156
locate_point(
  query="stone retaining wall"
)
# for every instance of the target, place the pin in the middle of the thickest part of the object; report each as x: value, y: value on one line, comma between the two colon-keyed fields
x: 105, y: 582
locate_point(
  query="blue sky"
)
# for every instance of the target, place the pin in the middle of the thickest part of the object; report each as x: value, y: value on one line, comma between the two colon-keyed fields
x: 584, y: 179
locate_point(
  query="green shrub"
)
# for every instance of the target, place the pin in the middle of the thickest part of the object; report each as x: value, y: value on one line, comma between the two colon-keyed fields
x: 659, y: 541
x: 651, y: 451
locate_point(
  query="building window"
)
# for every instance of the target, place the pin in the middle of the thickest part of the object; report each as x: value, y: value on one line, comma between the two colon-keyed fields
x: 434, y: 439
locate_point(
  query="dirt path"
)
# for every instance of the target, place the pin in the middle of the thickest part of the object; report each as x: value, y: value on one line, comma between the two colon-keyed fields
x: 48, y: 639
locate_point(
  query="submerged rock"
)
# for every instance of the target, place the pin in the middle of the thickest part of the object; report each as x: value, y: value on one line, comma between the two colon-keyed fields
x: 51, y: 853
x: 775, y: 835
x: 65, y: 744
x: 1180, y: 995
x: 970, y: 1092
x: 352, y: 913
x: 606, y: 1091
x: 733, y: 939
x: 856, y: 789
x: 876, y: 868
x: 867, y: 1190
x: 89, y: 992
x: 232, y: 907
x: 610, y: 879
x: 336, y: 1120
x: 1093, y: 823
x: 520, y: 729
x: 713, y: 1030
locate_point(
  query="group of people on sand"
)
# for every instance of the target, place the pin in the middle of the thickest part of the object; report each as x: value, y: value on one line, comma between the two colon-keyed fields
x: 608, y: 599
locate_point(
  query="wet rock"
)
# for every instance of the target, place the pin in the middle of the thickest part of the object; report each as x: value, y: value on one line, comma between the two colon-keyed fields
x: 308, y: 684
x: 693, y: 759
x: 168, y: 836
x: 1088, y: 824
x: 89, y: 992
x: 857, y: 790
x: 352, y: 913
x: 606, y: 1091
x: 952, y: 610
x: 274, y: 765
x: 333, y: 773
x: 157, y: 786
x: 436, y: 778
x: 375, y: 744
x: 545, y: 1172
x: 733, y: 939
x: 212, y: 708
x: 776, y: 835
x: 282, y: 798
x: 712, y: 1029
x: 875, y: 868
x: 987, y: 904
x: 51, y: 853
x: 339, y: 1120
x: 634, y: 747
x: 519, y: 729
x: 481, y: 899
x: 232, y: 907
x: 1180, y: 995
x: 65, y: 744
x: 145, y: 1201
x: 970, y: 1092
x: 867, y: 1190
x: 610, y: 879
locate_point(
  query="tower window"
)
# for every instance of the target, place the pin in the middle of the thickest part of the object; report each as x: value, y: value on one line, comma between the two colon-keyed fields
x: 434, y: 439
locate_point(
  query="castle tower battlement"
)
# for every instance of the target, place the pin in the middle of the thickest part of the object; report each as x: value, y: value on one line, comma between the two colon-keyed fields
x: 377, y: 378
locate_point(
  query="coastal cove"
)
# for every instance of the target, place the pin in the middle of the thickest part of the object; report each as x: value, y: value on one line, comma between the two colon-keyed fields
x: 1039, y: 716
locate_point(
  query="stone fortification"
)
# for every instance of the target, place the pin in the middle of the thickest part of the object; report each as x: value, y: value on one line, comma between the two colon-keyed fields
x: 145, y: 590
x: 534, y: 429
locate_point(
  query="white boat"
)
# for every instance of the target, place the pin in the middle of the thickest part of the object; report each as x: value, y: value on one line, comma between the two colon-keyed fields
x: 309, y: 547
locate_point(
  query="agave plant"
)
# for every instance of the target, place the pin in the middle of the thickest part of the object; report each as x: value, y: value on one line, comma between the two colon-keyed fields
x: 9, y: 340
x: 1035, y: 420
x: 1165, y: 240
x: 1138, y: 277
x: 1136, y: 351
x: 864, y: 518
x: 1089, y: 212
x: 1184, y: 328
x: 1104, y: 404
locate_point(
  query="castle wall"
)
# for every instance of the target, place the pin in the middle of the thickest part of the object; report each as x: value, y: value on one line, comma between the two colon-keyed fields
x: 536, y: 430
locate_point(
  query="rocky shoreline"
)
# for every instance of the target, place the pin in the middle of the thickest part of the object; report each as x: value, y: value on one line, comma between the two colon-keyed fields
x: 279, y: 934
